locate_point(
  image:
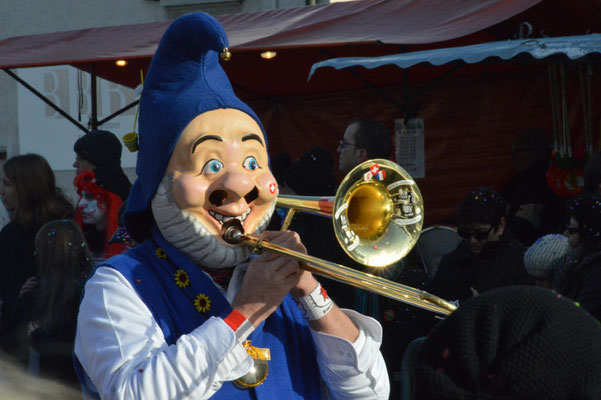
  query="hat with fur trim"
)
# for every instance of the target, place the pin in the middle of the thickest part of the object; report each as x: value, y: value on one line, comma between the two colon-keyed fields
x: 184, y: 80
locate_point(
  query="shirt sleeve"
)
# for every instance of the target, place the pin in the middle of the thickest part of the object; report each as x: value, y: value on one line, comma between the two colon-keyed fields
x: 124, y: 352
x: 354, y: 370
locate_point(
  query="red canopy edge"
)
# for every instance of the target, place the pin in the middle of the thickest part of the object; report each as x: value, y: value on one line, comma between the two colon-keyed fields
x: 336, y: 24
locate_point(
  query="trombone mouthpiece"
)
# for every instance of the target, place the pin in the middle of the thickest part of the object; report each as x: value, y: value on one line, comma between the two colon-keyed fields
x: 232, y: 231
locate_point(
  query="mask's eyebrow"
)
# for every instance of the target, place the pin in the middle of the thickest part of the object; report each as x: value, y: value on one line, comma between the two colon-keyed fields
x: 253, y: 136
x: 202, y: 139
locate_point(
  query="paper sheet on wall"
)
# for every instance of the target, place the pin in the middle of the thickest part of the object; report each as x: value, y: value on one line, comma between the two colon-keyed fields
x: 409, y: 146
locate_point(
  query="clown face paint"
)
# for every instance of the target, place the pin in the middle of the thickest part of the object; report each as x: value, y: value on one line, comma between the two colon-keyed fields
x: 220, y: 171
x: 91, y: 212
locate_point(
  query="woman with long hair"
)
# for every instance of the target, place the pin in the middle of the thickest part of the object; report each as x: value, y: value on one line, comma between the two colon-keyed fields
x: 64, y: 263
x: 29, y: 193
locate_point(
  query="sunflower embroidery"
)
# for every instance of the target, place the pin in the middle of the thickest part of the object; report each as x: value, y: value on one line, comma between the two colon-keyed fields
x: 202, y: 303
x: 160, y: 253
x: 181, y: 278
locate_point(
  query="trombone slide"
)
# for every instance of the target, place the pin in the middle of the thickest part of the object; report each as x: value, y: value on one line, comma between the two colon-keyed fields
x: 340, y: 273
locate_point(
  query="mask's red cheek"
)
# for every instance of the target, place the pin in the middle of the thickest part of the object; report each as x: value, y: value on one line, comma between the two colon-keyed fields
x: 189, y: 191
x: 268, y: 187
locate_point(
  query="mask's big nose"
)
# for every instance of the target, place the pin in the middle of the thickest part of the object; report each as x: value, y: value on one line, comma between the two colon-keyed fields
x: 232, y: 187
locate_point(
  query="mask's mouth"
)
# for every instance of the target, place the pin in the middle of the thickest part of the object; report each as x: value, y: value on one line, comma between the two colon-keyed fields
x: 225, y: 218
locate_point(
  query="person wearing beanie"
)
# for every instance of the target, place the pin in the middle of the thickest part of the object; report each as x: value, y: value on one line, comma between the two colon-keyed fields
x: 540, y: 256
x: 516, y: 342
x: 185, y: 314
x: 577, y: 274
x: 488, y: 257
x: 100, y: 151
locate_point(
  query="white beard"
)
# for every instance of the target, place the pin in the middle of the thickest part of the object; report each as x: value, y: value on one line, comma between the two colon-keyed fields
x: 191, y: 236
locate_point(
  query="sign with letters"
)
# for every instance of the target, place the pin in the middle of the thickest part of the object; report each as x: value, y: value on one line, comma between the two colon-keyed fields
x: 44, y: 131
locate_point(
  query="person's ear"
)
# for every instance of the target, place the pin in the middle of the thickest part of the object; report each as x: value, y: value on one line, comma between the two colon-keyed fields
x: 361, y: 155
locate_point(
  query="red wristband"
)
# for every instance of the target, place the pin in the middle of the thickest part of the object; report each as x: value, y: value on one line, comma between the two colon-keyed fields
x: 234, y: 320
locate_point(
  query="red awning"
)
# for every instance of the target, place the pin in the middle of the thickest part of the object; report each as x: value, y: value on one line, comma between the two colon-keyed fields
x: 301, y: 36
x: 489, y: 102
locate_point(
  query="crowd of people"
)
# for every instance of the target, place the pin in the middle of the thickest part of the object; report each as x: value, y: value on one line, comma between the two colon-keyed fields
x: 49, y: 246
x: 143, y: 292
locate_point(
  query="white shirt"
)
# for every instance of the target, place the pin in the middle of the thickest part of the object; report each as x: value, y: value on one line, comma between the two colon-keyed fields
x: 124, y: 352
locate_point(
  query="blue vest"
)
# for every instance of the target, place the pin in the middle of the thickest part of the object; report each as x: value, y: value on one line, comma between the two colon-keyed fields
x: 151, y: 269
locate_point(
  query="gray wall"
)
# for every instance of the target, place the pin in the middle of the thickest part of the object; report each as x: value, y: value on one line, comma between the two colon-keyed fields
x: 43, y: 16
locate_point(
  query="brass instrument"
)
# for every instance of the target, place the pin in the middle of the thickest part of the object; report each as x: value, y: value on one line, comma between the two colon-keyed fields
x: 377, y: 215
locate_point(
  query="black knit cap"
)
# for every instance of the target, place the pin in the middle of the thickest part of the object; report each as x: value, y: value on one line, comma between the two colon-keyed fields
x: 103, y: 149
x: 517, y: 342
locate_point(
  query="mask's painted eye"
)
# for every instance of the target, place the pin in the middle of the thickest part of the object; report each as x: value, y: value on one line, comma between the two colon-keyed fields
x: 212, y: 167
x: 250, y: 163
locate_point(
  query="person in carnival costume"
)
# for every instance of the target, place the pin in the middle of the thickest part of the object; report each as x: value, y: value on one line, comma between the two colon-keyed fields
x: 184, y: 314
x: 97, y: 215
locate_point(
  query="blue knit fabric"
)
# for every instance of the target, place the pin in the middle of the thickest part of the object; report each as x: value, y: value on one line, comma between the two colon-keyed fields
x: 184, y: 80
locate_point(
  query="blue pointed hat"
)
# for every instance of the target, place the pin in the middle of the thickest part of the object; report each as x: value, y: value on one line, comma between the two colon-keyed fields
x: 184, y: 80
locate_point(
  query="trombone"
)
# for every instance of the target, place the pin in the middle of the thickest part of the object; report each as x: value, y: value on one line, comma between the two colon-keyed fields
x: 377, y: 215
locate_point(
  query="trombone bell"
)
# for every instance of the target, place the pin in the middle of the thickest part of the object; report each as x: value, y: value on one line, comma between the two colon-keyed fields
x: 369, y: 210
x: 377, y: 216
x: 377, y: 213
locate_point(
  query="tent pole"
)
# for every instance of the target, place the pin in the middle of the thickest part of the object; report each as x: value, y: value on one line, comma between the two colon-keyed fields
x: 118, y: 112
x: 45, y: 100
x: 94, y: 111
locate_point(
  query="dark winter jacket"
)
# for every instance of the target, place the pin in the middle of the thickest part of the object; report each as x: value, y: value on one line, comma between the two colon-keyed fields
x: 577, y: 275
x: 499, y: 264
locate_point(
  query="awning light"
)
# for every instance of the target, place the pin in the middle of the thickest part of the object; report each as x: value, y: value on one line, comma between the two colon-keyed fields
x: 268, y: 55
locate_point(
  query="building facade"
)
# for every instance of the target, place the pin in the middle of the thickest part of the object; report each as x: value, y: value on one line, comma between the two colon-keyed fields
x: 28, y: 125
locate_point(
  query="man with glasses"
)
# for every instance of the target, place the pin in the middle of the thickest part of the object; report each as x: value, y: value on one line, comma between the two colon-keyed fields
x: 488, y: 257
x: 363, y: 140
